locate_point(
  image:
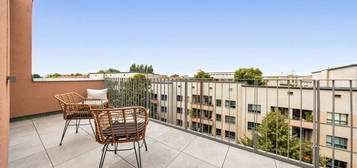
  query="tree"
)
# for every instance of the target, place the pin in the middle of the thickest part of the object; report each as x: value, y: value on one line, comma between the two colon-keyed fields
x: 76, y: 74
x: 250, y: 75
x: 141, y: 68
x: 273, y: 135
x: 53, y: 75
x: 150, y: 69
x: 36, y: 76
x: 110, y: 70
x: 202, y: 75
x: 133, y: 68
x: 131, y: 92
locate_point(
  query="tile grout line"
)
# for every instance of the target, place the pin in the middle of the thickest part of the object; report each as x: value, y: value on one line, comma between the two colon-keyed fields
x: 276, y: 166
x: 182, y: 151
x: 43, y: 145
x: 173, y: 159
x: 199, y: 159
x: 225, y: 157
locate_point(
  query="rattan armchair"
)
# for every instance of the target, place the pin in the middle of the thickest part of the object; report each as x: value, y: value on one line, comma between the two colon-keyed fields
x: 76, y: 108
x: 121, y: 125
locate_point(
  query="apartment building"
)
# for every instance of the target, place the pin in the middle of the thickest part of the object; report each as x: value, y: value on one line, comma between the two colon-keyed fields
x: 231, y: 111
x: 120, y: 75
x: 222, y: 75
x: 336, y: 73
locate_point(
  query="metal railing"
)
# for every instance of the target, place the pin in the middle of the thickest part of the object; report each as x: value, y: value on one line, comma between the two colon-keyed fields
x: 307, y: 123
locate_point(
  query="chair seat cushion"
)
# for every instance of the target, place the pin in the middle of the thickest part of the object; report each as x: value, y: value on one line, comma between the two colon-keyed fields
x: 119, y: 129
x: 79, y: 115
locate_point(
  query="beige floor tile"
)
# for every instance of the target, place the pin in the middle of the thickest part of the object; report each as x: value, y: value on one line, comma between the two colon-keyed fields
x: 176, y: 139
x: 91, y: 159
x: 36, y: 160
x: 241, y: 158
x: 157, y: 156
x: 185, y: 161
x: 208, y: 150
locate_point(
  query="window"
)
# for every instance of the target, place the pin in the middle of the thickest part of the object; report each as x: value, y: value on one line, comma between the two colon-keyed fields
x: 163, y: 109
x: 196, y: 112
x: 163, y: 97
x: 337, y: 163
x: 178, y: 98
x: 218, y: 132
x: 306, y: 114
x: 283, y: 110
x: 338, y: 96
x: 230, y: 104
x: 207, y: 114
x: 218, y: 117
x: 154, y: 96
x: 178, y: 110
x: 218, y: 102
x: 253, y: 125
x: 164, y: 119
x: 206, y: 128
x: 230, y: 119
x: 207, y: 100
x: 254, y: 108
x: 230, y: 134
x: 196, y: 99
x: 179, y: 122
x: 341, y: 119
x: 339, y: 142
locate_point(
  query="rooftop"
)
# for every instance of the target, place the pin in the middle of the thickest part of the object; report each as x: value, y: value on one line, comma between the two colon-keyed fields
x: 34, y: 143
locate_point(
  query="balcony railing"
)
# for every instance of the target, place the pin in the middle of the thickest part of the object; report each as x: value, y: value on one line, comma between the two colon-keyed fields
x: 308, y: 123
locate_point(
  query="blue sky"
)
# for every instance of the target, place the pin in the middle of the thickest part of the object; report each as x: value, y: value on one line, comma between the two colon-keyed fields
x: 185, y: 35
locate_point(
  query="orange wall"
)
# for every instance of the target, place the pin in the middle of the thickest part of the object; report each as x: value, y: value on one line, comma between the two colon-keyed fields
x: 4, y: 86
x: 28, y: 97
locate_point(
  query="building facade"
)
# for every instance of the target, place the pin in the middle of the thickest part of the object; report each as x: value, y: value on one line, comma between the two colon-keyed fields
x: 231, y: 111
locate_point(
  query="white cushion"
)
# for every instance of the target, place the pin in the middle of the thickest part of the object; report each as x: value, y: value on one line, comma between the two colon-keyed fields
x: 97, y: 94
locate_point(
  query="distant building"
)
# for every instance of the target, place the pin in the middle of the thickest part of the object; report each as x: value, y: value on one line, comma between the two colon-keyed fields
x: 222, y: 75
x: 337, y: 73
x: 120, y: 75
x: 73, y: 76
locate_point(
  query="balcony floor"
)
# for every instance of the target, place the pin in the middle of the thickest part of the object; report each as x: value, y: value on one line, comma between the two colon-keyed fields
x: 34, y: 143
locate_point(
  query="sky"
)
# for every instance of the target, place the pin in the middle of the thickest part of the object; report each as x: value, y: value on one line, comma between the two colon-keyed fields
x: 182, y: 36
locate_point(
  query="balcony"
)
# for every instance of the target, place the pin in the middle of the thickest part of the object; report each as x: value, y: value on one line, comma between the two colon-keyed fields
x: 34, y: 143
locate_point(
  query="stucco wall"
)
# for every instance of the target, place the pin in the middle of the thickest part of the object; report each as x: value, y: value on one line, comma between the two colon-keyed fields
x: 4, y: 86
x: 28, y: 97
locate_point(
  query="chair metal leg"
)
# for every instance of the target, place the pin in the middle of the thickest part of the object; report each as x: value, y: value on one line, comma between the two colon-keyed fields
x: 92, y: 127
x: 78, y: 122
x: 146, y: 147
x: 139, y: 154
x: 64, y: 130
x: 115, y: 148
x: 102, y: 158
x: 136, y: 155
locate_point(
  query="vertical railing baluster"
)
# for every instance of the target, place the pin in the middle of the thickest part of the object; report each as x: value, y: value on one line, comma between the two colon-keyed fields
x: 237, y: 112
x: 300, y: 120
x: 289, y: 113
x: 333, y: 124
x: 185, y: 109
x: 277, y: 120
x: 351, y: 129
x: 254, y: 114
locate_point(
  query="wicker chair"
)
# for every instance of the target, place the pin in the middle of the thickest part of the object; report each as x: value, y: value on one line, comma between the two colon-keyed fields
x: 76, y: 107
x: 121, y: 125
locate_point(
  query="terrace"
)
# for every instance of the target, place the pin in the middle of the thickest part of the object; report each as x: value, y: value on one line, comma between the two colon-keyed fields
x: 324, y: 116
x: 34, y: 143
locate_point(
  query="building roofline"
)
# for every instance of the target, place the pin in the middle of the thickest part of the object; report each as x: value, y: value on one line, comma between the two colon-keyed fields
x: 122, y: 73
x: 220, y: 72
x: 340, y: 67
